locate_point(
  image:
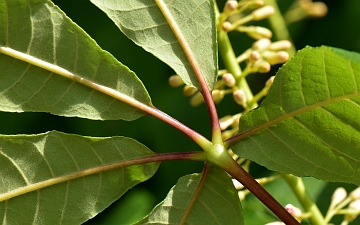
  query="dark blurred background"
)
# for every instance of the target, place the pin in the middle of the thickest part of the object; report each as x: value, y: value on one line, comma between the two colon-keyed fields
x: 340, y: 28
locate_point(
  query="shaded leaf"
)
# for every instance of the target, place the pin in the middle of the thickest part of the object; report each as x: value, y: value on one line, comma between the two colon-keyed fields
x: 40, y: 29
x: 143, y: 22
x: 57, y: 178
x: 217, y: 202
x: 309, y: 123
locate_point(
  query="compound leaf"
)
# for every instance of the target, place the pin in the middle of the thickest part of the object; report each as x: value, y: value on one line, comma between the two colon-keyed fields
x: 309, y: 123
x: 144, y: 22
x: 39, y: 29
x: 210, y: 194
x: 57, y: 178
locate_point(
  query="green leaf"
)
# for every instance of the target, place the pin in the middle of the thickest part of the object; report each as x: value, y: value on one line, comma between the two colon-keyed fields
x: 57, y: 178
x: 143, y: 21
x: 309, y: 123
x: 39, y: 29
x: 210, y: 194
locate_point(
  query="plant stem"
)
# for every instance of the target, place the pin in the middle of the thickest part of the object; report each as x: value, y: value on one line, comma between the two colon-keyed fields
x: 196, y: 156
x: 235, y: 170
x: 298, y: 187
x: 149, y: 109
x: 279, y: 27
x: 205, y: 91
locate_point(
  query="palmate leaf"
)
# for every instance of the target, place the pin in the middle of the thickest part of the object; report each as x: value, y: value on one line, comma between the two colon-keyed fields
x: 309, y: 124
x: 144, y: 23
x: 41, y: 30
x: 210, y: 194
x: 57, y: 178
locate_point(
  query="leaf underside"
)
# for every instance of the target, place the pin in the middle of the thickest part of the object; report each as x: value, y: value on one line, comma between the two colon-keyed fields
x: 42, y: 30
x: 217, y: 200
x: 143, y: 22
x: 28, y: 160
x: 309, y: 123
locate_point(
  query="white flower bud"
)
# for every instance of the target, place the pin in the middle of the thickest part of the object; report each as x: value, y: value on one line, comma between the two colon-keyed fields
x: 196, y: 100
x: 254, y: 56
x: 217, y: 95
x: 263, y: 13
x: 275, y: 223
x: 294, y: 211
x: 355, y: 205
x: 355, y: 194
x: 338, y: 196
x: 189, y: 90
x: 230, y: 6
x: 269, y: 82
x: 175, y: 81
x: 229, y: 79
x: 239, y: 97
x: 262, y: 66
x: 225, y: 122
x: 226, y: 134
x: 237, y: 184
x: 314, y: 9
x: 227, y: 26
x: 261, y: 44
x: 278, y: 58
x: 256, y: 32
x: 280, y: 45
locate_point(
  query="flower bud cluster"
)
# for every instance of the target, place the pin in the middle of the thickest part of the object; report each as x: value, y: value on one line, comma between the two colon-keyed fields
x: 264, y: 54
x: 305, y: 8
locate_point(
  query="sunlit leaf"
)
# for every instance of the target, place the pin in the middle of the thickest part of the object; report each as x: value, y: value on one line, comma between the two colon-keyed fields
x: 210, y: 197
x: 309, y: 123
x: 39, y: 29
x: 57, y: 178
x: 144, y: 23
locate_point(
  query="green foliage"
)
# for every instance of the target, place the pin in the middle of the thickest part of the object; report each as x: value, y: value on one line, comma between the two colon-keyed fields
x: 217, y: 199
x: 308, y: 123
x: 58, y: 178
x: 47, y: 34
x: 144, y: 23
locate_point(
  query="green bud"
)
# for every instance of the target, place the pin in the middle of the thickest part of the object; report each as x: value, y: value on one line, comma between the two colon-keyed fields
x: 217, y: 95
x: 256, y: 32
x: 175, y: 81
x: 263, y: 13
x: 196, y: 99
x: 189, y: 90
x: 269, y: 82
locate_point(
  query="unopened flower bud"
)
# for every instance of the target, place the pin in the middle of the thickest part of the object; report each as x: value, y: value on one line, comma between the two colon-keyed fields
x: 229, y: 79
x: 355, y: 194
x: 278, y: 58
x: 226, y: 134
x: 239, y: 97
x: 196, y: 100
x: 338, y: 196
x: 175, y: 81
x: 225, y: 122
x: 230, y: 6
x: 269, y: 82
x: 255, y: 4
x: 355, y: 205
x: 275, y: 223
x: 256, y: 32
x: 189, y: 90
x: 263, y: 13
x: 280, y: 45
x: 315, y: 9
x: 227, y: 26
x: 217, y: 95
x: 237, y: 184
x: 254, y: 56
x: 261, y: 44
x: 294, y: 211
x: 262, y: 66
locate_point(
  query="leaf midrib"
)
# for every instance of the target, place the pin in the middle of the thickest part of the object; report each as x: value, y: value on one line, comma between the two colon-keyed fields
x: 279, y: 119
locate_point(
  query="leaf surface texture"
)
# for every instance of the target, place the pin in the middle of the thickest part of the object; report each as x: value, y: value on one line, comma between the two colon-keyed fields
x: 57, y: 166
x: 40, y: 29
x: 309, y: 123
